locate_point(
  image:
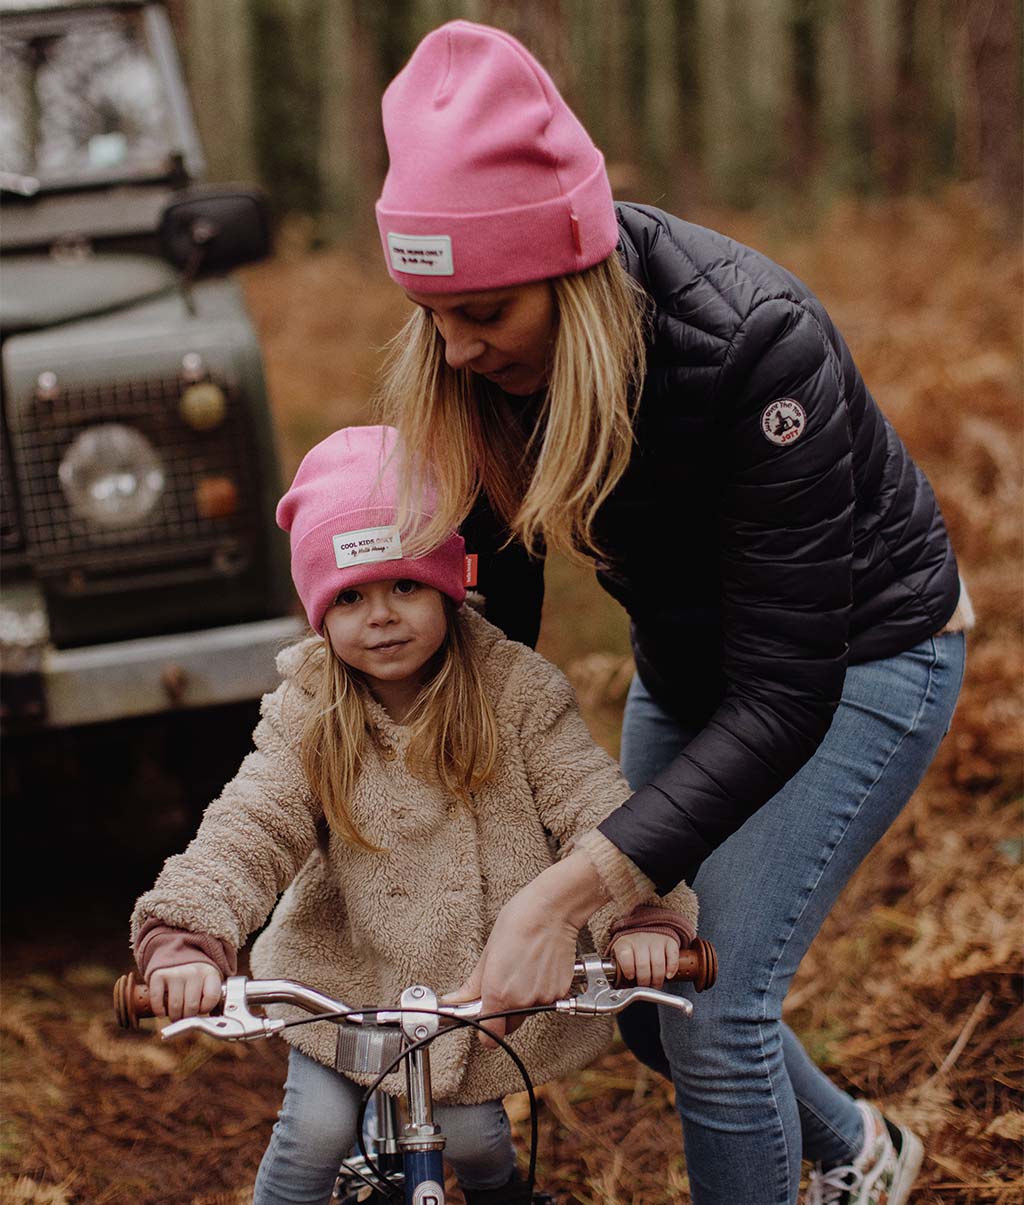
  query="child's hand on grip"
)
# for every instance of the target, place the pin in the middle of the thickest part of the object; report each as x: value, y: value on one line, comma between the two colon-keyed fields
x: 184, y: 991
x: 647, y: 958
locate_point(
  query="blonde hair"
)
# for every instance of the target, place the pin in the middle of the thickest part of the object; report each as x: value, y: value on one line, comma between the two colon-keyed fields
x: 546, y: 485
x: 454, y: 738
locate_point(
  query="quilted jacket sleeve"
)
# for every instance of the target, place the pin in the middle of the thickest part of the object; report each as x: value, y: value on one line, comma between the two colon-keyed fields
x: 252, y: 840
x: 576, y: 783
x: 786, y: 539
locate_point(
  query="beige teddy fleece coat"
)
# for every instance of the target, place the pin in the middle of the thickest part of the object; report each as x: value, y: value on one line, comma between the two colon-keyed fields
x: 363, y: 926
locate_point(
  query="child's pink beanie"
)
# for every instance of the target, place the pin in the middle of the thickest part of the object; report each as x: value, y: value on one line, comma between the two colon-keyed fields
x: 493, y: 181
x: 341, y: 513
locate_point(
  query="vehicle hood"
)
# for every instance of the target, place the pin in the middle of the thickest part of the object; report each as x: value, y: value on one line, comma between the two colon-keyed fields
x: 37, y: 291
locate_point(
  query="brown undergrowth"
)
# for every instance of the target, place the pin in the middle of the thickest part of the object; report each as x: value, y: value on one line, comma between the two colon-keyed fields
x: 912, y: 993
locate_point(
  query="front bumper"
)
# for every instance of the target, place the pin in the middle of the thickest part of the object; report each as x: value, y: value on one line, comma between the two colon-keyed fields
x: 62, y: 688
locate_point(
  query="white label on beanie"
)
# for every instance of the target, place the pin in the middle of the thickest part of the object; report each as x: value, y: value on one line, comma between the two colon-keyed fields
x: 370, y: 544
x: 421, y: 254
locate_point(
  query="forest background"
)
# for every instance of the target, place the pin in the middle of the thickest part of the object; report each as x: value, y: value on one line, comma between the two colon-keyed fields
x: 874, y: 148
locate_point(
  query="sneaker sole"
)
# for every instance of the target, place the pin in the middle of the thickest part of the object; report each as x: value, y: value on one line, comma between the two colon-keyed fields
x: 911, y: 1158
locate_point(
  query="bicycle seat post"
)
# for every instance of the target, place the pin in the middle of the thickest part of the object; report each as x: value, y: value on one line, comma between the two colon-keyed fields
x: 421, y: 1141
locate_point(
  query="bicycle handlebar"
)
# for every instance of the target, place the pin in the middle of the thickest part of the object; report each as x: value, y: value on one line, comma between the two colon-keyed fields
x: 233, y: 1020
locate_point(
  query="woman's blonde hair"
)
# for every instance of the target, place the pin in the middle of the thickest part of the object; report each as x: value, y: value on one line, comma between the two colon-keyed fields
x: 454, y: 738
x: 547, y: 484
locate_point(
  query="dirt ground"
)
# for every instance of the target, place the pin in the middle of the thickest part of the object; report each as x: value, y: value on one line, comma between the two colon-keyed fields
x: 912, y: 993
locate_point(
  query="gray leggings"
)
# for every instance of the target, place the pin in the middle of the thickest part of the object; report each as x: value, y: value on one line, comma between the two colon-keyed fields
x: 316, y: 1129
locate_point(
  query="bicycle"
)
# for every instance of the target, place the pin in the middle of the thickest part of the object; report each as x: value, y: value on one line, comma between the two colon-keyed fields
x: 408, y: 1164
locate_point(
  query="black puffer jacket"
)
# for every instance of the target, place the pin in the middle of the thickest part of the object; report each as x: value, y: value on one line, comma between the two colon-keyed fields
x: 757, y: 547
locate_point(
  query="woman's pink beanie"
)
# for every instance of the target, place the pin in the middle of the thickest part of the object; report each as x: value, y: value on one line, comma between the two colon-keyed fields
x: 493, y: 181
x: 341, y: 513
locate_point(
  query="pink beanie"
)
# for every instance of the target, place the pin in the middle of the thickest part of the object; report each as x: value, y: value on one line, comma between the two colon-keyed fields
x: 493, y: 181
x: 341, y: 511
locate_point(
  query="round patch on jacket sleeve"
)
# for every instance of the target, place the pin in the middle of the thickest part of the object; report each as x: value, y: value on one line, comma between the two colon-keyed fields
x: 783, y: 421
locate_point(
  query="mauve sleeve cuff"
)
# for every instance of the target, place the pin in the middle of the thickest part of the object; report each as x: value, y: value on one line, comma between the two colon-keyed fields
x: 624, y: 881
x: 649, y: 918
x: 159, y: 946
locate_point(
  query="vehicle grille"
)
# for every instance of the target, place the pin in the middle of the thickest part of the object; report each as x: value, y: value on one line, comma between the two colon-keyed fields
x: 57, y: 538
x: 10, y: 527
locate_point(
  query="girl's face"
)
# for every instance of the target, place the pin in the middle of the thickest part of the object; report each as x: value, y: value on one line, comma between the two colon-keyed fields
x: 504, y: 335
x: 388, y: 630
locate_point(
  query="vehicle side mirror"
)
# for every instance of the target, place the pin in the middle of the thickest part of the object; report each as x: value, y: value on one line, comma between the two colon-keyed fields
x: 214, y: 229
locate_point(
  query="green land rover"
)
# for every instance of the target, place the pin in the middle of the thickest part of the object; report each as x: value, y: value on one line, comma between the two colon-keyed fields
x: 142, y: 570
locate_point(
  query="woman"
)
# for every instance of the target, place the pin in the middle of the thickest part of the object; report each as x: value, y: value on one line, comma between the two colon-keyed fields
x: 612, y: 382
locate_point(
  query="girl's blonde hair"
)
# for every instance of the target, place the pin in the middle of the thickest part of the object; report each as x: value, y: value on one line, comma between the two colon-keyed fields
x: 547, y: 484
x: 454, y: 738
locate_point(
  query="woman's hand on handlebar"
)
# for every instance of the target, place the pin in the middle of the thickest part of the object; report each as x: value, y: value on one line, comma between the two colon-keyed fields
x: 530, y: 953
x: 648, y: 959
x: 188, y: 990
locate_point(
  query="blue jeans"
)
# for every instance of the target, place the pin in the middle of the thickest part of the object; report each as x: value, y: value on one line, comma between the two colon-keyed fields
x: 316, y: 1129
x: 752, y: 1103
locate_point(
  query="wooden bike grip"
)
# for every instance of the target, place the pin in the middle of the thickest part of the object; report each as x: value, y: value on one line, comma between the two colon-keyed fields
x: 699, y: 964
x: 131, y: 1001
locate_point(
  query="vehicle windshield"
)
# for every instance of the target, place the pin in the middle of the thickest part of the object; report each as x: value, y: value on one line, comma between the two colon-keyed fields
x: 82, y: 102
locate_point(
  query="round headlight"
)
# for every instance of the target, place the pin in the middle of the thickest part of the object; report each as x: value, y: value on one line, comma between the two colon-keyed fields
x: 111, y: 475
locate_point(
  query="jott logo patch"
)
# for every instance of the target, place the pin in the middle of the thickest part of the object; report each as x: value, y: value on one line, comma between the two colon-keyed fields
x: 783, y: 421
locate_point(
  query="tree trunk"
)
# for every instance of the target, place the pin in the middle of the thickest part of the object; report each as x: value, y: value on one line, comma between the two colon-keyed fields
x: 218, y: 62
x: 992, y: 37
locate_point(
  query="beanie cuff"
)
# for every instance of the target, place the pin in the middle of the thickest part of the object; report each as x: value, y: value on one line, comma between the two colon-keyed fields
x: 320, y: 583
x: 497, y: 248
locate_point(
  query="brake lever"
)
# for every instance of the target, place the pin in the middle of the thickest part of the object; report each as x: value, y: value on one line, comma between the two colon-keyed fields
x: 599, y: 996
x: 235, y: 1022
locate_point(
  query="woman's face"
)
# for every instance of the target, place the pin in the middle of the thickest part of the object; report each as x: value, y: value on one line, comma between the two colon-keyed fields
x: 504, y: 335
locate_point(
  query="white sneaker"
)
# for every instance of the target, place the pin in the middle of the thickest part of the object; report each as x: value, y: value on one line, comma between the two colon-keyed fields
x: 883, y: 1175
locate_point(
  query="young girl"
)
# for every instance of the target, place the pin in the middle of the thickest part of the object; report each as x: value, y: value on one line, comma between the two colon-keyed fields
x: 606, y: 379
x: 414, y: 770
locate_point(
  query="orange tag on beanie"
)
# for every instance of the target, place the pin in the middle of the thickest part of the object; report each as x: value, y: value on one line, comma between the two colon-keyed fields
x: 469, y: 577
